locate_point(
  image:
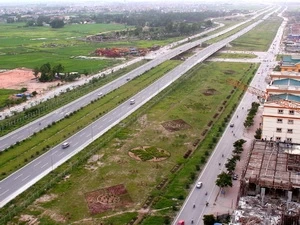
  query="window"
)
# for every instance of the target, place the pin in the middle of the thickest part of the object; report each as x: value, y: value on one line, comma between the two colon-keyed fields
x: 289, y: 139
x: 278, y: 138
x: 290, y: 121
x: 278, y: 130
x: 290, y: 131
x: 279, y: 120
x: 291, y: 112
x: 280, y: 111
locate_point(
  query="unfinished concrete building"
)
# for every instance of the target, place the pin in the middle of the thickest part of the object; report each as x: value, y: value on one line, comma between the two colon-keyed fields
x: 272, y: 175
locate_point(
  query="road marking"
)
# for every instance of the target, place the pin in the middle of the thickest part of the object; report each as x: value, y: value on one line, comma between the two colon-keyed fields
x: 88, y: 135
x: 104, y: 119
x: 82, y: 134
x: 25, y: 178
x: 18, y: 176
x: 44, y: 165
x: 36, y: 164
x: 53, y: 152
x: 76, y: 143
x: 61, y: 153
x: 4, y: 192
x: 21, y: 136
x: 13, y: 137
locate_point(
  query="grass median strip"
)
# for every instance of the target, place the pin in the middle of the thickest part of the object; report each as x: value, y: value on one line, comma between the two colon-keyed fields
x: 23, y: 152
x: 173, y: 122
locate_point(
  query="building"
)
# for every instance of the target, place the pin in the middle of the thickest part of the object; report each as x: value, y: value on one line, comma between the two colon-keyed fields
x: 290, y: 63
x: 281, y: 114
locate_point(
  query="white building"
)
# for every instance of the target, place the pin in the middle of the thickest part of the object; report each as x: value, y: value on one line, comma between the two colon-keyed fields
x: 281, y: 122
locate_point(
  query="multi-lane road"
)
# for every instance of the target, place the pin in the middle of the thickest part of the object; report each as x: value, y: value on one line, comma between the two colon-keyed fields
x: 32, y: 172
x: 225, y: 146
x: 33, y: 127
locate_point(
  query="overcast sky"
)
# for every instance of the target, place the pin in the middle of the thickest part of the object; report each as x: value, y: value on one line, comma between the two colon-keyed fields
x: 24, y: 2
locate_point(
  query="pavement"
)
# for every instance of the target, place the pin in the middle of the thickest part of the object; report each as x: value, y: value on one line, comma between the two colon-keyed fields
x: 226, y: 203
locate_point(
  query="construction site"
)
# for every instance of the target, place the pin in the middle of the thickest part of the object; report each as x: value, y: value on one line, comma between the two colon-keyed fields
x: 270, y: 185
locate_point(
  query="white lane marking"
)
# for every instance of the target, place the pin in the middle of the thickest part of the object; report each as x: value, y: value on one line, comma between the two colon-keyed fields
x: 13, y: 137
x: 104, y: 119
x: 37, y: 164
x: 82, y: 134
x: 53, y: 153
x: 25, y: 178
x: 88, y: 135
x: 4, y: 192
x: 18, y: 176
x: 61, y: 153
x: 21, y: 136
x: 44, y: 165
x: 76, y: 143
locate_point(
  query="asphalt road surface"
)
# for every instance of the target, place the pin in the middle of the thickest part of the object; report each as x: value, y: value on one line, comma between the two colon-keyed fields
x: 35, y: 126
x: 35, y: 170
x: 215, y: 165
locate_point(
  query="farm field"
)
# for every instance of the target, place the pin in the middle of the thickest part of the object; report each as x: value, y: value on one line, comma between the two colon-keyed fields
x: 30, y: 47
x: 165, y: 128
x: 258, y: 39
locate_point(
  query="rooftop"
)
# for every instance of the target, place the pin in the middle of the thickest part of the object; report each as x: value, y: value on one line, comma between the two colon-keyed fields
x: 270, y: 166
x: 287, y: 81
x: 288, y: 60
x: 285, y: 96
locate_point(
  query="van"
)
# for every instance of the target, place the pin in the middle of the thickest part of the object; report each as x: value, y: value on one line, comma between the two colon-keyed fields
x: 132, y: 101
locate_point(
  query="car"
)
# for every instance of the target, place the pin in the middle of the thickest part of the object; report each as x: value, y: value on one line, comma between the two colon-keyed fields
x: 180, y: 222
x: 128, y: 78
x: 199, y: 184
x: 65, y: 145
x: 235, y: 176
x: 232, y: 125
x: 132, y: 101
x: 100, y: 94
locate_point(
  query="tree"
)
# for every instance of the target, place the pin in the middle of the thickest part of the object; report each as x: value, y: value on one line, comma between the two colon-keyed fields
x: 36, y: 71
x: 209, y: 219
x: 57, y: 23
x: 224, y: 180
x: 230, y: 165
x: 58, y: 69
x: 258, y: 133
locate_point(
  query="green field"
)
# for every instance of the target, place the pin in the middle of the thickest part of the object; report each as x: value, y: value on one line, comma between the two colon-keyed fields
x: 195, y: 100
x: 259, y: 38
x: 5, y: 94
x: 234, y: 55
x: 33, y: 46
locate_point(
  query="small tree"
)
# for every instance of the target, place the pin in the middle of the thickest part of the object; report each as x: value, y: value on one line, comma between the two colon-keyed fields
x: 224, y: 180
x: 258, y: 133
x: 209, y: 219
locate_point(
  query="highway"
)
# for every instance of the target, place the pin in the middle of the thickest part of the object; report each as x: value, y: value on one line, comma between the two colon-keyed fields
x: 225, y: 146
x: 22, y: 179
x: 37, y: 125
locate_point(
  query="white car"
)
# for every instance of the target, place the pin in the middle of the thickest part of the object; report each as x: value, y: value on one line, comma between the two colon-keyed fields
x: 199, y: 184
x: 132, y: 101
x: 65, y: 145
x: 100, y: 94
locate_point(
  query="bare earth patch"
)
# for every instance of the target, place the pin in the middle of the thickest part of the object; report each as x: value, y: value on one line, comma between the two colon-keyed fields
x: 22, y: 77
x: 94, y: 162
x: 175, y: 125
x: 107, y: 199
x: 46, y: 198
x: 29, y: 219
x: 209, y: 91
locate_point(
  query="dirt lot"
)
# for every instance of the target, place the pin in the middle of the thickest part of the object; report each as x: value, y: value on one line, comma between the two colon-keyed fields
x: 22, y: 77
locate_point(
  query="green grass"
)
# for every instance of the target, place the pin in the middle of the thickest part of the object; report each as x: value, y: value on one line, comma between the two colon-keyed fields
x: 15, y: 157
x: 184, y: 101
x: 5, y: 94
x: 22, y: 47
x: 234, y: 55
x: 259, y: 38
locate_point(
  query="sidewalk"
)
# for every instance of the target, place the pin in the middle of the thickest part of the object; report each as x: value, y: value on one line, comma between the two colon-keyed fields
x: 226, y: 203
